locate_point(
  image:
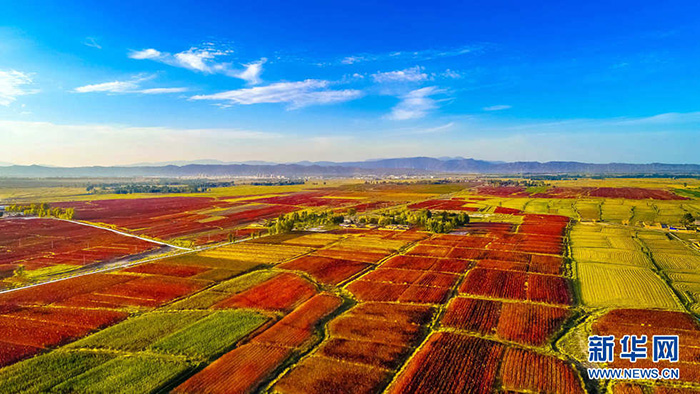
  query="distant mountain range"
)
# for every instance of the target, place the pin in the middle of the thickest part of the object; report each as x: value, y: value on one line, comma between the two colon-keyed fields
x: 381, y: 167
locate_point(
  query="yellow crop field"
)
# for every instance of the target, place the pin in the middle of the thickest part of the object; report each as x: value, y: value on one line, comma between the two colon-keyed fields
x: 606, y: 285
x: 539, y: 205
x: 643, y: 211
x: 678, y: 262
x: 615, y: 211
x: 588, y: 210
x: 314, y: 240
x: 258, y: 253
x: 611, y: 256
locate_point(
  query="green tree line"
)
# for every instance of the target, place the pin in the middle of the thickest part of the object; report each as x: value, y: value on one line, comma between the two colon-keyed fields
x: 42, y: 210
x: 302, y: 220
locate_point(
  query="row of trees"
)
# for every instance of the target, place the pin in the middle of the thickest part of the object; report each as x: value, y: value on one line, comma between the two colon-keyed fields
x: 130, y: 188
x: 42, y: 210
x: 436, y: 222
x: 302, y: 220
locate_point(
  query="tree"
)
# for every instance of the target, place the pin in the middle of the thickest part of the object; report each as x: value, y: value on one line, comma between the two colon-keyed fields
x: 687, y: 219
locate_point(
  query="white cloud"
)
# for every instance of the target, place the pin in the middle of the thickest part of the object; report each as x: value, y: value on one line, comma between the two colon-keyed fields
x: 204, y: 59
x: 252, y: 72
x: 425, y: 54
x: 92, y: 43
x: 497, y: 107
x: 353, y: 59
x: 162, y: 90
x: 416, y: 104
x: 451, y: 74
x: 11, y: 85
x: 413, y: 74
x: 129, y: 86
x: 294, y: 94
x: 150, y: 54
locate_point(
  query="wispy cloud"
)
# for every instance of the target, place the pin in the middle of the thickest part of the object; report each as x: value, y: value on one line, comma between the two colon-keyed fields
x: 413, y: 74
x: 415, y: 104
x: 129, y: 86
x: 252, y: 72
x: 497, y: 107
x: 204, y: 59
x: 12, y: 85
x: 426, y: 54
x: 92, y: 43
x: 294, y: 94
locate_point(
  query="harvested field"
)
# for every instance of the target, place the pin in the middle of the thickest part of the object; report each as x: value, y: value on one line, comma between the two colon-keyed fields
x: 604, y: 285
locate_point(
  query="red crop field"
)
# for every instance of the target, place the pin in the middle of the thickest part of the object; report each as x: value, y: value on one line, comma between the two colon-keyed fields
x: 430, y: 250
x: 507, y: 211
x: 172, y: 217
x: 376, y: 291
x: 525, y: 370
x: 362, y: 329
x: 472, y: 314
x: 525, y: 323
x: 354, y: 255
x: 62, y: 290
x: 425, y: 295
x: 10, y: 353
x: 281, y: 293
x: 400, y: 313
x: 153, y: 291
x: 182, y: 271
x: 467, y: 253
x: 410, y: 262
x: 306, y: 199
x: 296, y: 328
x: 517, y: 285
x: 529, y: 324
x: 37, y: 333
x: 38, y: 243
x: 495, y: 283
x: 451, y: 266
x: 238, y: 371
x: 437, y: 279
x: 88, y: 318
x: 393, y: 275
x: 649, y: 322
x: 633, y: 193
x: 325, y: 269
x: 549, y: 289
x: 364, y: 352
x: 320, y: 375
x: 451, y: 363
x: 444, y: 205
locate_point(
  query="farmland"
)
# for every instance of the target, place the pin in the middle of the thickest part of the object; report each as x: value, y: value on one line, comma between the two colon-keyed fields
x: 502, y: 303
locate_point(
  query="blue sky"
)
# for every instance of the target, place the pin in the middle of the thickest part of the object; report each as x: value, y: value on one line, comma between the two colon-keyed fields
x: 105, y: 83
